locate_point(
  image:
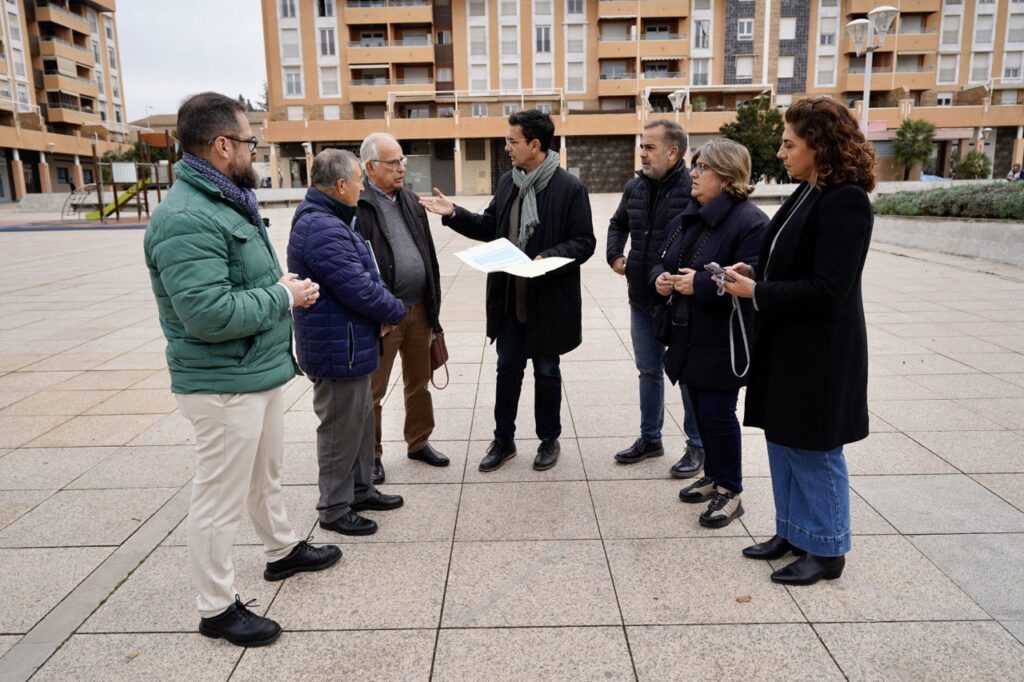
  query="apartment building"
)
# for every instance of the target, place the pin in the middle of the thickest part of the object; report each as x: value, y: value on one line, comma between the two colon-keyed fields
x: 60, y: 92
x: 443, y: 76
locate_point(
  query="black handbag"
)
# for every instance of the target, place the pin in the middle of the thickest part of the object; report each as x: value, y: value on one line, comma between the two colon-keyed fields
x: 675, y: 312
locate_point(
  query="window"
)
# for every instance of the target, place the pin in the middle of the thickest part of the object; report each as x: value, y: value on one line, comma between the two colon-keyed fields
x: 701, y: 67
x: 332, y: 112
x: 287, y: 9
x: 574, y: 77
x: 745, y: 68
x: 544, y: 107
x: 19, y: 62
x: 509, y: 109
x: 574, y: 39
x: 477, y: 8
x: 509, y: 44
x: 444, y: 37
x: 827, y: 33
x: 944, y: 99
x: 103, y: 115
x: 1015, y: 28
x: 983, y: 28
x: 574, y: 6
x: 96, y: 50
x: 1008, y: 97
x: 372, y: 39
x: 325, y: 8
x: 509, y: 8
x: 444, y: 74
x: 117, y: 115
x: 108, y: 28
x: 542, y: 8
x: 115, y: 86
x: 292, y: 81
x: 1012, y: 65
x: 99, y: 84
x: 745, y: 29
x: 980, y: 63
x: 295, y: 114
x: 327, y: 42
x: 479, y: 109
x: 329, y: 81
x: 783, y: 100
x: 93, y: 21
x: 14, y: 26
x: 110, y: 58
x: 543, y: 77
x: 23, y: 95
x: 787, y: 28
x: 509, y: 76
x: 947, y: 68
x: 826, y: 70
x: 474, y: 150
x: 701, y: 35
x: 701, y: 4
x: 289, y: 43
x: 478, y: 77
x: 951, y: 30
x: 786, y: 66
x: 543, y: 40
x: 478, y: 41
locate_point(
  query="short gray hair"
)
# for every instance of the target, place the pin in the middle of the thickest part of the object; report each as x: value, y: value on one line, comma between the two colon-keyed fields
x: 332, y: 165
x: 369, y: 150
x: 675, y: 134
x: 731, y: 161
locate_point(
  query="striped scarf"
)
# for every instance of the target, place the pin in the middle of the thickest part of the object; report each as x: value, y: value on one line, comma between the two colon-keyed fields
x: 244, y: 198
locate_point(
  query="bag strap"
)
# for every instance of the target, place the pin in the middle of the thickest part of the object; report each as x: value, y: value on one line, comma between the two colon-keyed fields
x: 447, y: 379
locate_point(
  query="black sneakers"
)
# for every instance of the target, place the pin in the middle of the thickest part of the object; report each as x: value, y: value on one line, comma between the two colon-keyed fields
x: 498, y: 452
x: 701, y: 490
x: 304, y: 557
x: 641, y: 449
x: 240, y: 626
x: 691, y: 463
x: 724, y: 507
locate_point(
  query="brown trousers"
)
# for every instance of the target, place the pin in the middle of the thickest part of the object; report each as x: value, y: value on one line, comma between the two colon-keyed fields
x: 412, y: 339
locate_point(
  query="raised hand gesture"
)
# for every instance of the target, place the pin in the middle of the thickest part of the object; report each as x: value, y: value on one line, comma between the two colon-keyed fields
x: 439, y: 204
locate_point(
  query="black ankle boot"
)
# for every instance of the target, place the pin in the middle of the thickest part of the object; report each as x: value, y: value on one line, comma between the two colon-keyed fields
x: 770, y: 550
x: 810, y: 569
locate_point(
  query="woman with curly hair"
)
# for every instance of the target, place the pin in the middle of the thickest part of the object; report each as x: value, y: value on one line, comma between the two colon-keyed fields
x: 808, y: 379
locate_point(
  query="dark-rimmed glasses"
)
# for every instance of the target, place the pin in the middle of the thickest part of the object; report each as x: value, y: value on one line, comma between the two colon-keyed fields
x: 394, y: 163
x: 252, y: 141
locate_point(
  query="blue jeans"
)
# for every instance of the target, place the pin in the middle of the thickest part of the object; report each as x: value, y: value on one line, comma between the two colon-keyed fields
x: 715, y: 411
x: 651, y: 364
x: 812, y: 498
x: 547, y: 385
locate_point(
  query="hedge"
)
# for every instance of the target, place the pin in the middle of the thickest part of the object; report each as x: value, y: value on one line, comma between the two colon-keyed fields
x: 1002, y: 200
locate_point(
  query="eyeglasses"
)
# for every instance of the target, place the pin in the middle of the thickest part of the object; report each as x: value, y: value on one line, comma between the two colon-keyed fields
x: 394, y: 163
x: 251, y: 141
x: 699, y: 168
x: 509, y: 140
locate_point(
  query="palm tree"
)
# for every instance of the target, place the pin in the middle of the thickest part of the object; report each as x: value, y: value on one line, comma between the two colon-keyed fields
x: 913, y: 144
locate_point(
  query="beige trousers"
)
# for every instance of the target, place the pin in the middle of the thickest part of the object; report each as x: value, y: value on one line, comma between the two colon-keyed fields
x: 239, y: 447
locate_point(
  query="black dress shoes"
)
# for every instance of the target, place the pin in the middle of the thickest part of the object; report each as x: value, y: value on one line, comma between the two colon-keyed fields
x: 351, y: 524
x: 377, y: 477
x: 547, y: 455
x: 240, y: 626
x: 381, y: 502
x: 809, y: 569
x: 498, y: 452
x: 429, y: 455
x: 773, y: 549
x: 304, y: 557
x: 690, y: 464
x: 641, y: 449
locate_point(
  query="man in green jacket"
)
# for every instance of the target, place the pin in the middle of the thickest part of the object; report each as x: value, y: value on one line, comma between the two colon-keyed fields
x: 225, y: 309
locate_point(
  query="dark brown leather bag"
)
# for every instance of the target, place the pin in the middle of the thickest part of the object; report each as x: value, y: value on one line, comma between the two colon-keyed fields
x: 439, y: 358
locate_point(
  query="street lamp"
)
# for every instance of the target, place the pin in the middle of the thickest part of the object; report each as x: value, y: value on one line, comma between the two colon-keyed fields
x: 865, y: 33
x: 148, y: 109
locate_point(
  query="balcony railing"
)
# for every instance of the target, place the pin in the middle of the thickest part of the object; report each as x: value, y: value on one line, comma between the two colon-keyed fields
x: 370, y: 81
x: 414, y: 81
x: 380, y: 42
x: 874, y: 69
x: 915, y: 31
x: 387, y: 3
x: 913, y: 68
x: 664, y: 74
x: 618, y: 76
x: 662, y: 36
x: 61, y: 41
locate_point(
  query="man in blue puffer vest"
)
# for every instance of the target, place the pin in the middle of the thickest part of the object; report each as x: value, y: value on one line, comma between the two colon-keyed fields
x: 337, y: 339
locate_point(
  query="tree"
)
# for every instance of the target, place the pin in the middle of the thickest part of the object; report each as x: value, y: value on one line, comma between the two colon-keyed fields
x: 758, y: 127
x: 913, y: 144
x: 246, y: 104
x: 975, y: 166
x: 263, y: 103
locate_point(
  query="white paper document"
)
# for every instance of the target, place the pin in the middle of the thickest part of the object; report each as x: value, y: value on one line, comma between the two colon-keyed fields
x: 501, y: 255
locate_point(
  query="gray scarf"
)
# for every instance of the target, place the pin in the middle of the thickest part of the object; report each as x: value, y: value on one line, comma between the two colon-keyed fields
x: 529, y: 184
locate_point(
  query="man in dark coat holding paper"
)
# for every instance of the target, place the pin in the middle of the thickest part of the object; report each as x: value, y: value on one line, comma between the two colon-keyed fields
x: 544, y: 211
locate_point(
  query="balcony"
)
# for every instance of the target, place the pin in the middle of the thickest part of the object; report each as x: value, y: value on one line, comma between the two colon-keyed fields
x: 377, y: 89
x: 70, y: 84
x: 71, y: 114
x: 664, y: 45
x: 55, y: 47
x: 58, y: 15
x: 617, y: 84
x: 610, y: 9
x: 388, y: 12
x: 922, y: 41
x: 865, y: 6
x: 885, y: 78
x: 362, y: 52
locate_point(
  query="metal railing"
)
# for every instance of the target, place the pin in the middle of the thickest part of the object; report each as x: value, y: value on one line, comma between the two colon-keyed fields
x: 405, y: 42
x: 664, y: 74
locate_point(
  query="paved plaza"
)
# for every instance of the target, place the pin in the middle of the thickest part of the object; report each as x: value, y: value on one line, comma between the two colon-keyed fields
x: 589, y: 571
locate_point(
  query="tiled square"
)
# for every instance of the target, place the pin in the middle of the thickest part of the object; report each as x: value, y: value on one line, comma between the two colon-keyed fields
x: 95, y: 380
x: 520, y: 467
x: 930, y: 415
x: 15, y: 431
x: 138, y: 401
x: 96, y: 430
x: 16, y: 503
x: 36, y: 579
x: 976, y: 451
x: 655, y: 583
x: 172, y: 429
x: 48, y: 467
x: 650, y: 509
x: 53, y: 402
x: 526, y: 511
x: 892, y: 453
x: 427, y: 515
x: 529, y: 584
x: 400, y: 469
x: 962, y: 386
x: 169, y: 466
x: 599, y: 459
x: 1010, y: 487
x: 1006, y: 412
x: 759, y: 518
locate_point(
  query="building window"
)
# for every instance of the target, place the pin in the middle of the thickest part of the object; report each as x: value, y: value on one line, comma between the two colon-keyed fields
x: 1008, y: 97
x: 99, y: 84
x: 787, y: 28
x: 287, y: 9
x: 93, y: 21
x: 292, y: 81
x: 444, y: 74
x: 108, y: 27
x: 543, y: 40
x: 542, y: 8
x: 574, y: 6
x: 509, y: 76
x: 1015, y: 28
x: 509, y: 8
x: 701, y: 35
x: 745, y: 68
x: 574, y: 39
x: 295, y: 113
x: 117, y: 115
x: 786, y: 66
x: 947, y: 68
x: 574, y: 77
x: 701, y: 68
x: 944, y: 99
x: 509, y: 43
x: 327, y: 42
x: 115, y: 86
x: 23, y: 97
x: 329, y: 81
x: 983, y: 29
x: 980, y: 63
x: 14, y: 26
x: 110, y: 58
x: 332, y: 112
x: 826, y: 71
x: 745, y: 29
x: 477, y: 8
x: 478, y: 41
x: 479, y: 109
x: 783, y: 100
x: 701, y: 4
x: 96, y: 51
x: 444, y: 37
x: 474, y: 150
x: 19, y: 62
x: 509, y: 109
x: 478, y: 77
x: 1012, y: 65
x: 544, y: 108
x: 951, y: 30
x: 542, y: 76
x: 289, y: 43
x: 325, y: 8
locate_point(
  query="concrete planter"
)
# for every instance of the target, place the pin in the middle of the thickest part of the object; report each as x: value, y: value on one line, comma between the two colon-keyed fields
x: 996, y: 240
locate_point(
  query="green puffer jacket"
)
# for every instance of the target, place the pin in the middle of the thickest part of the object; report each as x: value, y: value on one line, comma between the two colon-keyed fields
x: 215, y: 275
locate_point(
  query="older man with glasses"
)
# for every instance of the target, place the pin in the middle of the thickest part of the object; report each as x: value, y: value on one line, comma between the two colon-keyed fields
x: 390, y: 217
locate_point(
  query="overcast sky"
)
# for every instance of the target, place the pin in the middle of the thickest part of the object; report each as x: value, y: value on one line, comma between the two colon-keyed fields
x: 173, y: 49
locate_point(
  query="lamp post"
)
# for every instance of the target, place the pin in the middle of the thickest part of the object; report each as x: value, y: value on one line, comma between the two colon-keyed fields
x: 864, y: 33
x: 148, y: 109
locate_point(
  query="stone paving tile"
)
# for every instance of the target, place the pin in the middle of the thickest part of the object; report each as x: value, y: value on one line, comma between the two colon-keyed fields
x: 899, y: 388
x: 138, y: 401
x: 159, y: 597
x: 374, y: 586
x: 172, y: 429
x: 650, y: 509
x: 1007, y: 412
x: 53, y: 402
x: 599, y: 459
x: 350, y: 655
x: 532, y: 655
x: 886, y: 579
x: 483, y: 423
x: 990, y: 568
x: 930, y: 415
x: 450, y: 424
x: 907, y: 365
x: 152, y: 360
x: 1010, y: 487
x: 15, y: 503
x: 992, y: 362
x: 937, y: 504
x: 893, y: 453
x: 142, y: 467
x: 656, y: 582
x: 526, y: 511
x: 95, y: 430
x: 17, y: 431
x: 976, y: 451
x: 95, y: 380
x: 759, y: 518
x: 64, y: 362
x: 922, y: 651
x: 36, y: 579
x: 529, y: 584
x: 961, y: 386
x: 6, y: 642
x: 85, y: 517
x: 143, y: 657
x: 48, y: 467
x: 753, y: 652
x: 520, y: 468
x: 428, y: 515
x: 400, y: 469
x: 1015, y: 628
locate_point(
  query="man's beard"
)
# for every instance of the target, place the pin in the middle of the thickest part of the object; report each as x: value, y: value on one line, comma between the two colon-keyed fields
x: 245, y: 178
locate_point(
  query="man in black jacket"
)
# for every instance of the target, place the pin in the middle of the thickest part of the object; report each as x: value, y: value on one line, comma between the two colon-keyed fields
x: 650, y: 201
x: 390, y: 217
x: 545, y: 211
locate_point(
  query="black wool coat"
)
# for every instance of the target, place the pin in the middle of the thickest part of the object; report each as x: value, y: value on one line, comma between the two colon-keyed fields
x: 809, y: 378
x: 554, y: 304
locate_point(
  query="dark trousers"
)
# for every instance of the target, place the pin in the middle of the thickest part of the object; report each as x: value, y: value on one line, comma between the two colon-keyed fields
x: 547, y: 379
x: 720, y: 432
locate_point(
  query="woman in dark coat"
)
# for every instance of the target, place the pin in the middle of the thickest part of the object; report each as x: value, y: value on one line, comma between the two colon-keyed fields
x: 808, y: 381
x: 707, y: 345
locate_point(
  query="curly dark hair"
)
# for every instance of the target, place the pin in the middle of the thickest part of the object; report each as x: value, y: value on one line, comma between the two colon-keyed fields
x: 840, y: 150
